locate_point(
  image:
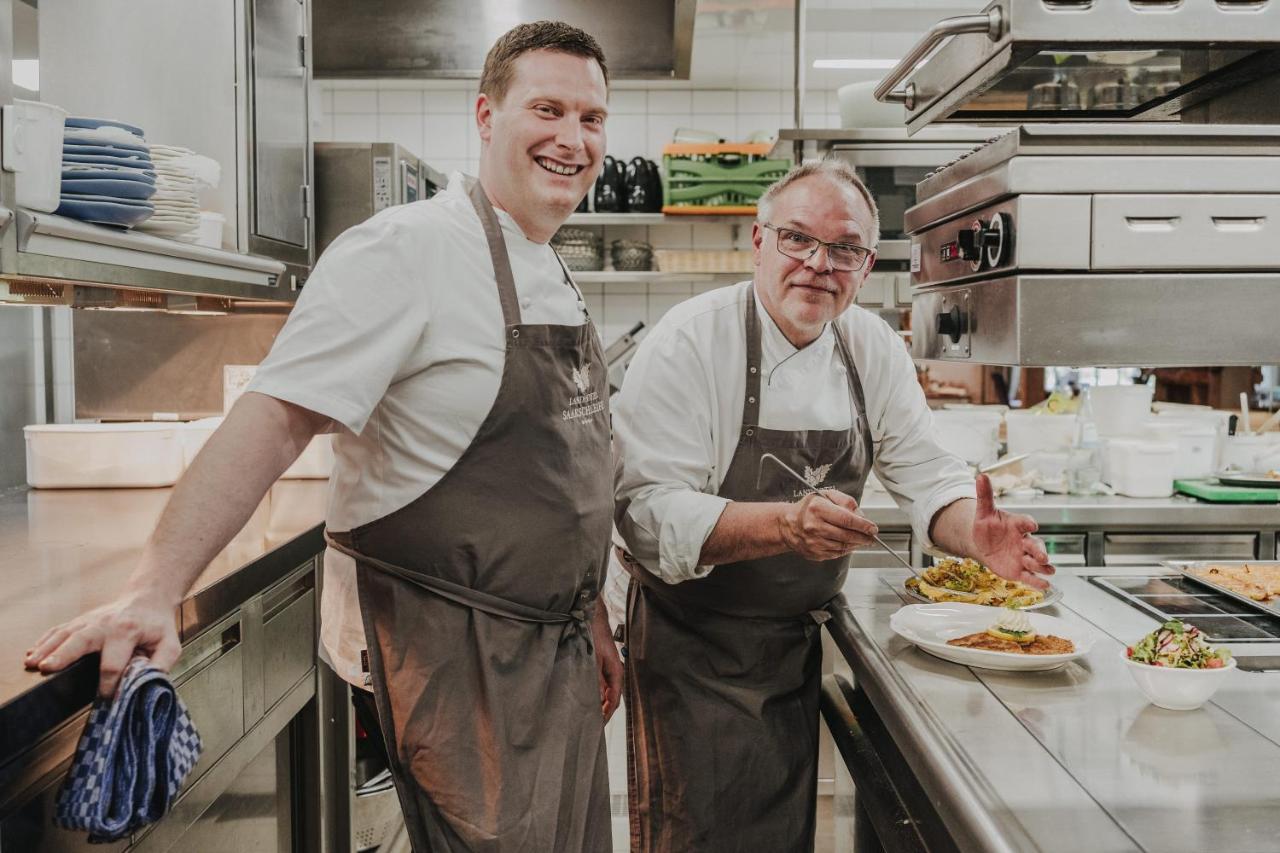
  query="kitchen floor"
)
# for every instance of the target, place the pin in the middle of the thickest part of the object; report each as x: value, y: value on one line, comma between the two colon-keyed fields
x: 615, y: 734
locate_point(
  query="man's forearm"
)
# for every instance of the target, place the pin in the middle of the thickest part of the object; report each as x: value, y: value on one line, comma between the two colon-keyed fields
x: 745, y: 531
x: 259, y: 439
x: 952, y: 527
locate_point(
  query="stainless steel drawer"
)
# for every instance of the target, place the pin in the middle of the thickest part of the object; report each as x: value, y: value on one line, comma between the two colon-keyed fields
x: 210, y: 679
x: 1185, y: 232
x: 1065, y: 549
x: 1144, y: 549
x: 288, y: 635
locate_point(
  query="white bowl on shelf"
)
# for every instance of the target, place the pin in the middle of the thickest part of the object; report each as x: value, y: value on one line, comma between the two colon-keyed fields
x: 1177, y: 689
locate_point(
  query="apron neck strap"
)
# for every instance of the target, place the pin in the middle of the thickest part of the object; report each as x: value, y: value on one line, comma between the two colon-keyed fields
x: 751, y: 405
x: 498, y: 253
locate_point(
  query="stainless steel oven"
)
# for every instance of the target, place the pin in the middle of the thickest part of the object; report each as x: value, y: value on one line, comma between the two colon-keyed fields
x: 355, y: 180
x: 1131, y: 244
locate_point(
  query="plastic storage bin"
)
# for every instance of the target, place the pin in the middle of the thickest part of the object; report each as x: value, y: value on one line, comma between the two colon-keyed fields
x: 32, y: 148
x: 93, y: 456
x: 971, y: 434
x: 1119, y: 409
x: 718, y: 178
x: 1197, y: 443
x: 1141, y: 469
x: 1028, y: 432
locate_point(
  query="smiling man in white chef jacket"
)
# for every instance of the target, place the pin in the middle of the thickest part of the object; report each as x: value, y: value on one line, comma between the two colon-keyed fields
x: 732, y: 556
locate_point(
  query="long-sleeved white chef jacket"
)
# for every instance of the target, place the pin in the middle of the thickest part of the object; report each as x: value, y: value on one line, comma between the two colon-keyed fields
x: 678, y: 417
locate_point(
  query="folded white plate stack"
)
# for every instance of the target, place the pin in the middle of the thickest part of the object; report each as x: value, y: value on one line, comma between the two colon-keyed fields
x: 177, y: 198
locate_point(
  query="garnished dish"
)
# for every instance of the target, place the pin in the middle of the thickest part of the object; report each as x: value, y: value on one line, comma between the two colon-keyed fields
x: 1175, y: 668
x: 1012, y: 632
x: 970, y: 582
x: 1178, y: 645
x: 1009, y: 639
x: 1258, y: 582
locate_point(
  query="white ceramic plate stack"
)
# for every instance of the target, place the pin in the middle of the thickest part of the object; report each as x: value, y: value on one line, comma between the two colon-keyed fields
x: 930, y: 626
x: 177, y: 200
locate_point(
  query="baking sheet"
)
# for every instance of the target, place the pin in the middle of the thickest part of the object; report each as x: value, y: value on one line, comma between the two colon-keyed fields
x: 1185, y: 567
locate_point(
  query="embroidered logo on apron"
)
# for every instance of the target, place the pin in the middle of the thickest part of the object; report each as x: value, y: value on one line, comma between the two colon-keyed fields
x: 815, y: 477
x: 587, y: 402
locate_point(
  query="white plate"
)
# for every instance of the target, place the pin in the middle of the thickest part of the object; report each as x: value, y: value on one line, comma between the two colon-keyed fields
x: 930, y: 626
x: 1052, y: 596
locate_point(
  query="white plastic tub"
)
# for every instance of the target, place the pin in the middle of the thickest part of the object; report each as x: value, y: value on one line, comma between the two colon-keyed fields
x: 32, y: 149
x: 315, y: 462
x: 1197, y: 443
x: 1140, y: 468
x: 1028, y: 432
x: 94, y: 456
x: 1119, y: 409
x: 971, y: 434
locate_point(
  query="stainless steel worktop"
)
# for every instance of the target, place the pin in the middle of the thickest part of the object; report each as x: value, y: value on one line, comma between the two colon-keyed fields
x: 65, y: 552
x: 1074, y: 759
x: 1177, y: 512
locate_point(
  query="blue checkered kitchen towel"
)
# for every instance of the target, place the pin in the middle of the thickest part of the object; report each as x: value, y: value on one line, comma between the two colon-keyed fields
x: 135, y: 752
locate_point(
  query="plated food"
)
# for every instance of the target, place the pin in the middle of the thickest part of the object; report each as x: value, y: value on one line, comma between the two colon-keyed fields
x: 1256, y: 582
x: 1175, y: 668
x: 934, y: 627
x: 1013, y: 633
x: 970, y: 582
x: 1178, y: 645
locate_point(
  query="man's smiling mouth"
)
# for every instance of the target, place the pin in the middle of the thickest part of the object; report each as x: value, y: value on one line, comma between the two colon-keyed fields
x: 558, y: 168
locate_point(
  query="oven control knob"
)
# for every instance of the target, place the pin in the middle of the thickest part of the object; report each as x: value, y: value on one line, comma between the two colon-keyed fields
x: 954, y: 324
x: 997, y: 240
x: 969, y: 241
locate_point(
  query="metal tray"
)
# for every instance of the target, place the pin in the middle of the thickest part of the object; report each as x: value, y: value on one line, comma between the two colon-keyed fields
x: 1249, y: 480
x: 1185, y: 567
x: 1052, y: 596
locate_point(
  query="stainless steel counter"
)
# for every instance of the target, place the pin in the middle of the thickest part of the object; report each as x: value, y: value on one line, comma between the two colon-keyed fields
x: 1110, y: 512
x: 1074, y: 759
x: 65, y: 552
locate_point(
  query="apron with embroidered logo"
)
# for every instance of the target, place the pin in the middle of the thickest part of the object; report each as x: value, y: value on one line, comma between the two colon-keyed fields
x: 723, y: 672
x: 477, y: 600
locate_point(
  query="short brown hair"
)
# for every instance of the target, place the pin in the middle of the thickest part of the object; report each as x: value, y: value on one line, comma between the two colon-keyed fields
x: 499, y: 65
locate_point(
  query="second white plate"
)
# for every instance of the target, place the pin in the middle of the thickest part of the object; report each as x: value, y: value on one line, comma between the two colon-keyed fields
x: 930, y: 626
x: 1051, y: 596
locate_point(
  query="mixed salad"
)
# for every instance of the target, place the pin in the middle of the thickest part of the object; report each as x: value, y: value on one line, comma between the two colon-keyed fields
x: 1177, y: 645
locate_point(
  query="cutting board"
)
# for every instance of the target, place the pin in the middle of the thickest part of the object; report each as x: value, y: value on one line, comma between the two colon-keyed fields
x: 1214, y: 492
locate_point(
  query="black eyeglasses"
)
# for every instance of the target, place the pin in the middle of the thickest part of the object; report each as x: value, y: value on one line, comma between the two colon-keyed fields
x: 844, y: 257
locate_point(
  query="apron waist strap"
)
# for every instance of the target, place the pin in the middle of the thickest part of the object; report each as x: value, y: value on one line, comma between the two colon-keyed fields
x: 466, y: 596
x: 641, y: 575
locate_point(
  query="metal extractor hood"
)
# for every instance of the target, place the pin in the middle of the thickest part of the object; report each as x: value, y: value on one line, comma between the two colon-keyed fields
x: 1087, y: 60
x: 642, y: 39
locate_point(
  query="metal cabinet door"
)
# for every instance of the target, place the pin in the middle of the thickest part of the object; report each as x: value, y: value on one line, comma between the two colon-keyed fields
x: 281, y: 158
x: 1139, y: 549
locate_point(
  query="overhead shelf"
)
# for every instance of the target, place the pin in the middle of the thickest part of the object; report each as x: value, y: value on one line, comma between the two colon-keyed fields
x: 650, y: 276
x: 656, y: 219
x: 56, y: 250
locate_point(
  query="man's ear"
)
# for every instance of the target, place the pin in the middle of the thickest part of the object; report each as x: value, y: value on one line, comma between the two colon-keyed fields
x: 484, y: 116
x: 757, y: 237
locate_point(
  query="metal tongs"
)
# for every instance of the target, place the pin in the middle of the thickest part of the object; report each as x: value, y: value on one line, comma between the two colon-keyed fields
x: 878, y: 541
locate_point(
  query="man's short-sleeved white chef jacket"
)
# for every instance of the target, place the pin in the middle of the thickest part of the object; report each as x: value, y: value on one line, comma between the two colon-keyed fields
x: 677, y: 419
x: 398, y: 338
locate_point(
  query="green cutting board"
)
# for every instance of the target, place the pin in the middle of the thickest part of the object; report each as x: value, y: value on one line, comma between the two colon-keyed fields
x: 1215, y: 492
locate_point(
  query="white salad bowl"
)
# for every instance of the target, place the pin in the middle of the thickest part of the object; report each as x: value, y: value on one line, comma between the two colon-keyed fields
x: 1177, y: 689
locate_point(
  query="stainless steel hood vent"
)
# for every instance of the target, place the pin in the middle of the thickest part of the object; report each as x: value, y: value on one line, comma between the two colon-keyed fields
x: 1086, y: 60
x: 642, y: 39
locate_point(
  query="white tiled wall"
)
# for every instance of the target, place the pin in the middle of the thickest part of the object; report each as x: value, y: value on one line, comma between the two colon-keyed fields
x: 439, y: 125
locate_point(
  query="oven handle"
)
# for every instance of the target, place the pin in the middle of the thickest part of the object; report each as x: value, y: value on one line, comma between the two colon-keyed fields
x: 991, y: 23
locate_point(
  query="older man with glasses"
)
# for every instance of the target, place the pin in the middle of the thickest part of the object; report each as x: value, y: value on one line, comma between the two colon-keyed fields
x: 746, y: 429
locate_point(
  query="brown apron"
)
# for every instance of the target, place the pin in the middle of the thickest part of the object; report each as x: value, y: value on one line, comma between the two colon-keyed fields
x: 477, y: 600
x: 723, y: 671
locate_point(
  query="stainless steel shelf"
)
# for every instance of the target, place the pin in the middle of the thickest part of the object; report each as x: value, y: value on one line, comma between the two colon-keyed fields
x: 649, y: 276
x: 56, y: 250
x: 655, y: 219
